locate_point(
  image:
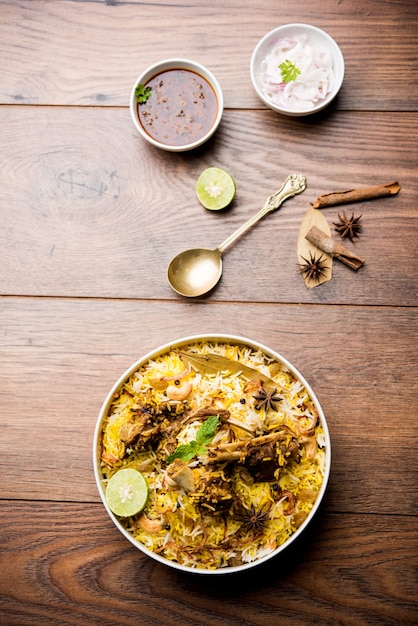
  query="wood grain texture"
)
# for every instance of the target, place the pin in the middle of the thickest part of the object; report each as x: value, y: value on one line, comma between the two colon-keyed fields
x: 68, y: 354
x: 347, y: 569
x: 90, y: 217
x: 101, y: 214
x: 115, y: 41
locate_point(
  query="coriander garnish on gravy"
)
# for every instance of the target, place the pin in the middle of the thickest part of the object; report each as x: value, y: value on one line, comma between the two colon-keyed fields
x: 176, y: 107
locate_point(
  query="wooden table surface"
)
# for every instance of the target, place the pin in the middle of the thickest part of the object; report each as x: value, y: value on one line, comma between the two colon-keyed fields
x: 91, y: 216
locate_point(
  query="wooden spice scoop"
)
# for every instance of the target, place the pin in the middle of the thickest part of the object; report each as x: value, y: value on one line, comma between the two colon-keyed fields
x: 356, y: 195
x: 321, y: 240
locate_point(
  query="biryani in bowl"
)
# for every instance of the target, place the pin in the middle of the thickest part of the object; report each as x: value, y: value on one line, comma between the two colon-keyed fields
x: 211, y: 454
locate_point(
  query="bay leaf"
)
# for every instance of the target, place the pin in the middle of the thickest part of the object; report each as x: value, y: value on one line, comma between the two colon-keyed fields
x: 215, y: 363
x: 313, y: 217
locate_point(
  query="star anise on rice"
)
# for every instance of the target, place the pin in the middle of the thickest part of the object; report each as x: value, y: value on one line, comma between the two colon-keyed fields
x: 348, y: 226
x: 253, y: 520
x: 314, y: 267
x: 266, y: 398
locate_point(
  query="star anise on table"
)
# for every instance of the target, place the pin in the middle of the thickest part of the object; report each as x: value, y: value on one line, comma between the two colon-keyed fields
x: 314, y: 267
x: 266, y: 398
x: 348, y: 226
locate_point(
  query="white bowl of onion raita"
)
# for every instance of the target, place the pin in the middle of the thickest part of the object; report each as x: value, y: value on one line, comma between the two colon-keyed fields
x: 297, y: 69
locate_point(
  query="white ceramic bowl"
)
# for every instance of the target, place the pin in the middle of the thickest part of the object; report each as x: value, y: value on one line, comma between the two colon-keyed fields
x: 316, y: 38
x: 184, y: 343
x: 172, y: 64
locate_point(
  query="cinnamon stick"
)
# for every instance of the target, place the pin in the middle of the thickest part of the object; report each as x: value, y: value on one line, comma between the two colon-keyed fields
x: 356, y: 195
x: 321, y: 240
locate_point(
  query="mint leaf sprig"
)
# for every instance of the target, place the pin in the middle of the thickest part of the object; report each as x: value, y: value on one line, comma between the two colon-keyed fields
x: 196, y: 447
x: 142, y: 93
x: 289, y: 71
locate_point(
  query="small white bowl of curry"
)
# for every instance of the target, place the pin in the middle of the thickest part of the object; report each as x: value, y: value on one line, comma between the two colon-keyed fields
x: 176, y: 104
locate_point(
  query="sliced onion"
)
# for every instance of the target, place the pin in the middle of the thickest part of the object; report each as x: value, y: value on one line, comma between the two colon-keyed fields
x: 313, y: 83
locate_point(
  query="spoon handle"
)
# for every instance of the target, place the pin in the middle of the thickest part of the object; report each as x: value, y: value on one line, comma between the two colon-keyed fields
x: 294, y: 184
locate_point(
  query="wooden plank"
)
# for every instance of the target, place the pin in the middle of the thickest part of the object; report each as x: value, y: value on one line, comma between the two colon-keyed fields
x: 75, y: 567
x: 101, y: 213
x: 90, y: 217
x: 90, y: 53
x: 59, y: 358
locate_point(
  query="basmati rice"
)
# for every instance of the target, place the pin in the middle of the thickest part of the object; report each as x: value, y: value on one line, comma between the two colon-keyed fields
x: 194, y: 531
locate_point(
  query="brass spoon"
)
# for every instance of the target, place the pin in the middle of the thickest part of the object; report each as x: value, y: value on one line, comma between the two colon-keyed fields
x: 195, y: 272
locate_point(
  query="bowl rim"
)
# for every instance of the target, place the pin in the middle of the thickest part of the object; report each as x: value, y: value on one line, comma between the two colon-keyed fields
x: 220, y: 338
x: 177, y: 63
x: 314, y: 30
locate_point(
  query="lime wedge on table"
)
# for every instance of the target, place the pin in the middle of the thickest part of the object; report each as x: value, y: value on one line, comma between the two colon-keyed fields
x: 215, y: 188
x: 127, y: 492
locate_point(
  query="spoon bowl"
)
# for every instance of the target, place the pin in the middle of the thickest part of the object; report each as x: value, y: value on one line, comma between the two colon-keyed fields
x: 197, y: 271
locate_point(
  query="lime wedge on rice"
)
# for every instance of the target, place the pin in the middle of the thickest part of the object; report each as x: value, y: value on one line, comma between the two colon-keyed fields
x: 215, y: 188
x: 127, y: 492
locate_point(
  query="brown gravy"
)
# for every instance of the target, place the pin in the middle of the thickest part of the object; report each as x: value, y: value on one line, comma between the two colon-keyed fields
x: 181, y: 109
